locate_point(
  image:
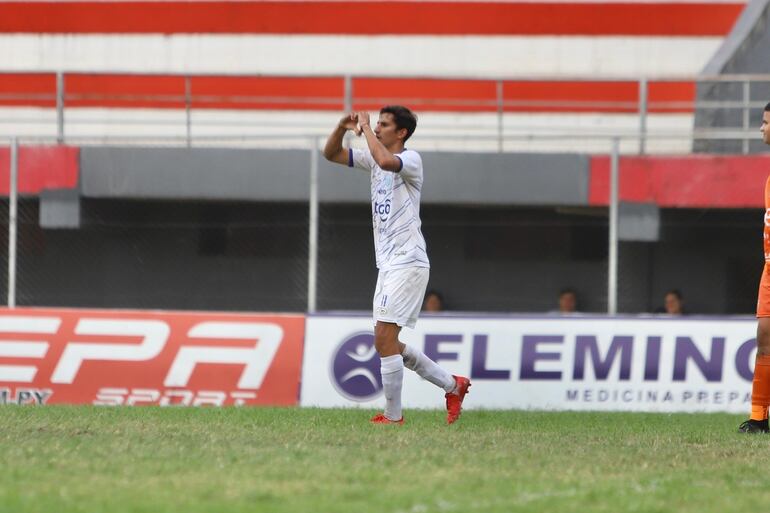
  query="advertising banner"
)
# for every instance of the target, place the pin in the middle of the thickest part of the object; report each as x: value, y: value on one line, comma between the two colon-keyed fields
x: 684, y: 364
x: 108, y: 357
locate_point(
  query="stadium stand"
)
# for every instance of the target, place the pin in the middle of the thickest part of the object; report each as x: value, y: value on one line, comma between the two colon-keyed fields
x: 744, y: 51
x: 579, y: 64
x: 274, y: 73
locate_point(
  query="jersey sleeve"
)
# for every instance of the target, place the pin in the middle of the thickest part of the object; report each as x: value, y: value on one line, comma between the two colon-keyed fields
x: 411, y: 166
x: 361, y: 159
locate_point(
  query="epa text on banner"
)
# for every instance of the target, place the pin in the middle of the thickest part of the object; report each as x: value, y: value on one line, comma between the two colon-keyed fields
x: 544, y: 362
x: 50, y: 356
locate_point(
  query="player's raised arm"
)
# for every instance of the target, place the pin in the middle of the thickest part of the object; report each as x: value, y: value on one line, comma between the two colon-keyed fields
x: 333, y: 151
x: 382, y: 155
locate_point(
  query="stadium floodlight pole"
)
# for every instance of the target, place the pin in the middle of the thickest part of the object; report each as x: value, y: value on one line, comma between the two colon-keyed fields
x: 12, y: 220
x: 312, y: 264
x: 60, y: 107
x: 612, y: 271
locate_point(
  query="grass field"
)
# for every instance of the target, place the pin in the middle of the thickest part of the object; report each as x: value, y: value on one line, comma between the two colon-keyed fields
x: 145, y: 459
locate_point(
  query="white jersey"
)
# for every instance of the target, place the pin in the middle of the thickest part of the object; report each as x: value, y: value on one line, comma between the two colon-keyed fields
x: 398, y: 241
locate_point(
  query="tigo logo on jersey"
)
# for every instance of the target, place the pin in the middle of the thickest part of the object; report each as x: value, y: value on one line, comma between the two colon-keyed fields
x: 355, y: 368
x: 382, y: 209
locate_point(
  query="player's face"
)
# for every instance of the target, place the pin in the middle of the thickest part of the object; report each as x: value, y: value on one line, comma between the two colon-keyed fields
x: 386, y: 130
x: 765, y: 128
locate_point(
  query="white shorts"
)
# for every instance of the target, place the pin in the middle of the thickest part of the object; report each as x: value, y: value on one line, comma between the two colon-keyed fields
x: 399, y: 294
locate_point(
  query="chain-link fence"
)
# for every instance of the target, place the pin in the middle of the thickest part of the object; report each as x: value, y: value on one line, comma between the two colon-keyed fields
x: 80, y: 250
x: 166, y: 254
x: 76, y: 249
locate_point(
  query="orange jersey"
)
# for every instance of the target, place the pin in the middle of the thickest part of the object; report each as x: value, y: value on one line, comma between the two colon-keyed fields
x: 767, y: 220
x: 763, y: 301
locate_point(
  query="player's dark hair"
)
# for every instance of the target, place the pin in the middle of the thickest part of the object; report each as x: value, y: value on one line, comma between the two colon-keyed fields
x: 403, y: 117
x: 677, y: 293
x: 567, y: 290
x: 767, y: 107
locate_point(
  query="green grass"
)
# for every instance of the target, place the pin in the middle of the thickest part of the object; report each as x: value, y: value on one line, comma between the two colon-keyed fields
x: 145, y: 459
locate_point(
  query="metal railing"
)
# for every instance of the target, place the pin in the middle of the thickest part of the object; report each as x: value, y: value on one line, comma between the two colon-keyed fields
x: 499, y: 105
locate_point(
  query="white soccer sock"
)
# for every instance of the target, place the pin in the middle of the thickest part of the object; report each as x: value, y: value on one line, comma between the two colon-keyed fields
x: 427, y: 369
x: 392, y: 370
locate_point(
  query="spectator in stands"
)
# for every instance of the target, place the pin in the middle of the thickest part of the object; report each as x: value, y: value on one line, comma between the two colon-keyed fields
x: 434, y: 301
x: 673, y: 303
x: 567, y: 301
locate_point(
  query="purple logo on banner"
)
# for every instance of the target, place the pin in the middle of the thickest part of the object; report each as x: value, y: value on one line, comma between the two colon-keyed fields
x: 356, y: 368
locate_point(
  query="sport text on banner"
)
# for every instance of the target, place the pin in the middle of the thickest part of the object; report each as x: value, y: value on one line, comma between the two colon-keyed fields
x: 50, y: 356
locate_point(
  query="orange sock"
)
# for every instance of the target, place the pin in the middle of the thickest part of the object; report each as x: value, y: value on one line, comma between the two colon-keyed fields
x: 760, y: 389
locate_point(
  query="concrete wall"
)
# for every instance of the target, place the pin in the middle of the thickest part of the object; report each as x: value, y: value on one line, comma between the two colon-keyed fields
x: 283, y: 175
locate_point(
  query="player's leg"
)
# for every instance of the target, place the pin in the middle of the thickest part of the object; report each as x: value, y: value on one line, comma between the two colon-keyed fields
x: 760, y: 388
x: 391, y: 368
x: 415, y: 360
x: 386, y: 330
x: 416, y: 281
x: 455, y: 387
x: 386, y: 338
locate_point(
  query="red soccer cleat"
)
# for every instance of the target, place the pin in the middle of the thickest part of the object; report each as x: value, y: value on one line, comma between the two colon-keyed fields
x: 382, y: 419
x: 454, y: 400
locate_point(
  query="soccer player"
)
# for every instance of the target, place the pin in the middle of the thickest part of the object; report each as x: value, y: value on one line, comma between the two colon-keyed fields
x: 402, y: 260
x: 760, y: 390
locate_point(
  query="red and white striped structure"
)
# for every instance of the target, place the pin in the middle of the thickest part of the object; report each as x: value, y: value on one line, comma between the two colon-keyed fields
x: 560, y: 65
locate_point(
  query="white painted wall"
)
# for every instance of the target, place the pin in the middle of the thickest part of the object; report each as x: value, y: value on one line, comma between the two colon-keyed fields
x: 338, y: 55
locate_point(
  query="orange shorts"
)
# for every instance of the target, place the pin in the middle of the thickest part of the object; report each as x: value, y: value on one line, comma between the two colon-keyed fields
x: 763, y: 301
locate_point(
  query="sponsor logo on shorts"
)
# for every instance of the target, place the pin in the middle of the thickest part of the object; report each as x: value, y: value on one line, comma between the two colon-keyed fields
x: 355, y: 368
